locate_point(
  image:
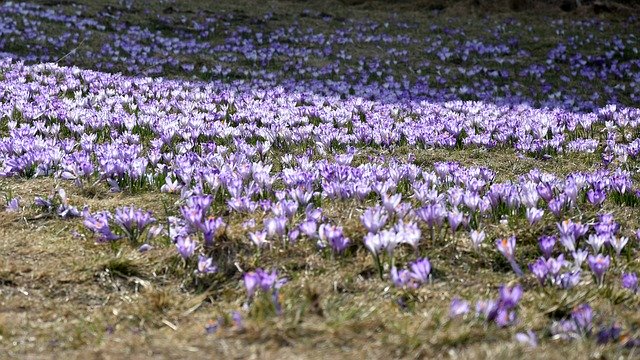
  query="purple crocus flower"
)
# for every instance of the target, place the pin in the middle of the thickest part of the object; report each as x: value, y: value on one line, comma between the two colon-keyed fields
x: 458, y: 308
x: 205, y: 265
x: 539, y: 269
x: 185, y: 246
x: 374, y: 219
x: 546, y: 244
x: 251, y: 282
x: 275, y: 227
x: 332, y: 235
x: 569, y: 279
x: 618, y: 243
x: 534, y: 215
x: 455, y: 218
x: 507, y: 247
x: 599, y: 265
x: 400, y: 278
x: 99, y: 224
x: 596, y: 196
x: 510, y: 296
x: 420, y: 270
x: 582, y: 316
x: 210, y: 228
x: 477, y: 237
x: 528, y: 338
x: 630, y: 281
x: 13, y: 205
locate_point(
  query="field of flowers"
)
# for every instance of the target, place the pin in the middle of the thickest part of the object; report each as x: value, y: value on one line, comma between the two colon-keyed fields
x: 192, y: 179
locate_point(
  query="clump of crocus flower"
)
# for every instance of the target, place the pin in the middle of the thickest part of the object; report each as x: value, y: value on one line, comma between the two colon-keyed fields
x: 98, y: 223
x: 265, y: 283
x: 418, y: 274
x: 549, y: 270
x: 133, y: 222
x: 58, y: 202
x: 331, y: 236
x: 501, y: 311
x: 578, y: 325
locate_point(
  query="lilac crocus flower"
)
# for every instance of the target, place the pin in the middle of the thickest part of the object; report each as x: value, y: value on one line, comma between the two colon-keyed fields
x: 596, y: 242
x: 210, y: 228
x: 144, y: 248
x: 275, y: 227
x: 582, y: 316
x: 528, y: 338
x: 185, y: 246
x: 400, y: 278
x: 546, y: 244
x: 510, y: 296
x: 455, y: 218
x: 596, y: 196
x: 309, y: 228
x: 251, y: 283
x: 569, y: 279
x: 630, y: 281
x: 579, y: 258
x: 618, y: 243
x: 507, y: 247
x: 332, y: 235
x: 99, y: 224
x: 259, y: 239
x: 421, y: 270
x: 540, y: 270
x: 534, y: 215
x: 374, y: 219
x: 599, y: 265
x: 458, y: 308
x: 477, y: 237
x: 13, y: 205
x: 408, y: 233
x: 205, y: 265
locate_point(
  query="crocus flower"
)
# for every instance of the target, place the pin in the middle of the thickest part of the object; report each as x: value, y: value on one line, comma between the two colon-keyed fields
x: 408, y: 233
x: 144, y: 248
x: 582, y: 316
x: 13, y: 205
x: 579, y: 257
x: 259, y: 239
x: 534, y: 215
x: 569, y: 279
x: 374, y: 219
x: 596, y: 197
x: 546, y: 244
x: 210, y: 228
x: 630, y: 281
x: 477, y: 237
x: 539, y: 269
x: 599, y: 265
x: 618, y: 243
x: 185, y: 246
x: 420, y: 270
x: 458, y: 308
x: 528, y: 338
x: 251, y: 282
x: 507, y: 247
x: 510, y: 296
x: 205, y: 265
x: 332, y: 235
x: 596, y: 242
